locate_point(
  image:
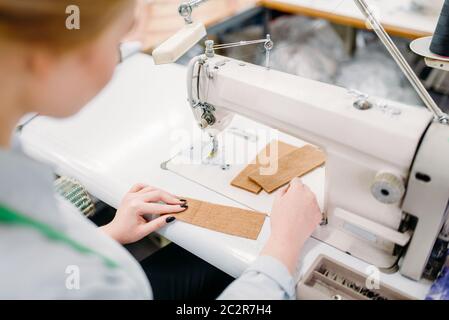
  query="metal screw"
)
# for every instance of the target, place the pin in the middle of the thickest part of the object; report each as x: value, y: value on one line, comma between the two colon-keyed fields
x: 363, y: 104
x: 185, y: 11
x: 210, y: 52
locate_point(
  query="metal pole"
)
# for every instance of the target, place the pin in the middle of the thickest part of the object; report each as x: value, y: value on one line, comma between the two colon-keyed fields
x: 195, y: 3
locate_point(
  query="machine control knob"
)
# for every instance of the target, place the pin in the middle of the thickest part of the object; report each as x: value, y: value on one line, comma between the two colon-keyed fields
x: 363, y: 104
x: 203, y: 124
x: 208, y: 118
x: 387, y: 188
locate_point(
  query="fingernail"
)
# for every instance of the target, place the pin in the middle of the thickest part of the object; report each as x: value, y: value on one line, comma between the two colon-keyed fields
x: 182, y: 200
x: 184, y: 205
x: 170, y: 219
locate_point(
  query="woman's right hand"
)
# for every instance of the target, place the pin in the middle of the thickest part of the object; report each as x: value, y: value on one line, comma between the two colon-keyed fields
x: 294, y: 217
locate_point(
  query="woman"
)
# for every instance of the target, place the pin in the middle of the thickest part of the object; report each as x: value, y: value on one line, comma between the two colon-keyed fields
x: 47, y: 249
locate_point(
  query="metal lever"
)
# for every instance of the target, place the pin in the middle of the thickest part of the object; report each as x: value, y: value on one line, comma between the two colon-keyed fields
x: 268, y: 45
x: 402, y: 63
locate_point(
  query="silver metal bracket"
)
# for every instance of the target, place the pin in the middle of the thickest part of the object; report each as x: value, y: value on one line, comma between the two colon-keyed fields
x: 207, y: 116
x: 267, y: 42
x: 185, y: 9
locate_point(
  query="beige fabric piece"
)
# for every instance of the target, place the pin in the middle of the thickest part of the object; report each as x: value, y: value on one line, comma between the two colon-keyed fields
x: 229, y: 220
x: 242, y: 180
x: 295, y: 164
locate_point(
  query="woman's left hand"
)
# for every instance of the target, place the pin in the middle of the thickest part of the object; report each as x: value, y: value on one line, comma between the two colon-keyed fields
x: 130, y: 225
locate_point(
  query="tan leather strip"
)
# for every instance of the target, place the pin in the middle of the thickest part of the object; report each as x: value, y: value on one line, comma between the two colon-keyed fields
x: 229, y: 220
x: 242, y: 180
x: 294, y: 164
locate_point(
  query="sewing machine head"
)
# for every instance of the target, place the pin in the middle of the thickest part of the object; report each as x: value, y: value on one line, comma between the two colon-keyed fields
x: 384, y: 191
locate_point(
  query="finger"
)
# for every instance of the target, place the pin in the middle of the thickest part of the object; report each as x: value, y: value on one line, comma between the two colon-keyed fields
x: 307, y: 189
x: 156, y: 208
x: 171, y: 194
x: 137, y: 187
x: 163, y: 196
x: 296, y: 183
x: 307, y: 192
x: 283, y: 191
x: 147, y: 189
x: 156, y: 224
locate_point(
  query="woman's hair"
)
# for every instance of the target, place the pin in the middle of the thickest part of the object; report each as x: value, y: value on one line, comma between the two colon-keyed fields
x: 43, y: 22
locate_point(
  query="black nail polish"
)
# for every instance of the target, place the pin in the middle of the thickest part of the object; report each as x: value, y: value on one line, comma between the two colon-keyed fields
x: 170, y: 219
x: 183, y: 200
x: 184, y: 205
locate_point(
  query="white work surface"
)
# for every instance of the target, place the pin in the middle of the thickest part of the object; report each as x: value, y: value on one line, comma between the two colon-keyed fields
x: 124, y: 135
x: 396, y: 13
x: 234, y: 154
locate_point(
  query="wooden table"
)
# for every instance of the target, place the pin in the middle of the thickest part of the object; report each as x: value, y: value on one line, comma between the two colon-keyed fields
x: 396, y: 16
x: 159, y: 19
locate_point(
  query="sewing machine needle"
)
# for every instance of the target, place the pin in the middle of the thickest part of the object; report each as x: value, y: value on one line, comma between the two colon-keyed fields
x: 213, y: 152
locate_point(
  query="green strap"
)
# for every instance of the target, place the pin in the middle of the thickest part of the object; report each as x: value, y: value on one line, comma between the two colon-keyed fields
x: 10, y: 217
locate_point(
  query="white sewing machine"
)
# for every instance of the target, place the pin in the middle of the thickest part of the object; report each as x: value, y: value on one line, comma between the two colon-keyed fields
x: 387, y: 183
x: 386, y: 162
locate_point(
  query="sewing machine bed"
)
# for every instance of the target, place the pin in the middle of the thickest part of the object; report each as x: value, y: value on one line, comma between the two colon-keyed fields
x: 239, y: 145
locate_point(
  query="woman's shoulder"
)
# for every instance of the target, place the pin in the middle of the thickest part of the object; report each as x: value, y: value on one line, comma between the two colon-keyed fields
x: 36, y: 267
